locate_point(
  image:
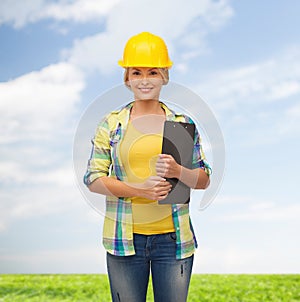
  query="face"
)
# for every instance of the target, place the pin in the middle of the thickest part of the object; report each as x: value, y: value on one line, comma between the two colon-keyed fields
x: 145, y: 82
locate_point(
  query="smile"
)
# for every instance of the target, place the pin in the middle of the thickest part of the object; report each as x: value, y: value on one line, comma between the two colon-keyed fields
x: 145, y: 90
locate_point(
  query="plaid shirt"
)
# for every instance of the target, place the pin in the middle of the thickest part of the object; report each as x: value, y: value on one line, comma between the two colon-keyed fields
x: 105, y: 160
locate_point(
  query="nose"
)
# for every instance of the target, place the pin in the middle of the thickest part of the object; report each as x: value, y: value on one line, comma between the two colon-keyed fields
x: 145, y: 80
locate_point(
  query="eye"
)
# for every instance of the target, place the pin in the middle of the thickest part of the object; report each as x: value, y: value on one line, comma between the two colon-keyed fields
x: 153, y: 72
x: 136, y: 73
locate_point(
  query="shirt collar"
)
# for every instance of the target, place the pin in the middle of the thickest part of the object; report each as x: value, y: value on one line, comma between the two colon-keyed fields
x: 124, y: 112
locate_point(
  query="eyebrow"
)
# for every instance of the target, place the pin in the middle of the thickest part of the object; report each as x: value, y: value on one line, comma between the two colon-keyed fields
x: 135, y: 68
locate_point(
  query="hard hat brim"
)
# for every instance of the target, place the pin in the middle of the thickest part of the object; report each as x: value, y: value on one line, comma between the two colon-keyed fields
x: 124, y: 65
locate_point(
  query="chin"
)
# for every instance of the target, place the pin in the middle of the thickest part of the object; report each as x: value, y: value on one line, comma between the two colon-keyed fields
x: 147, y: 98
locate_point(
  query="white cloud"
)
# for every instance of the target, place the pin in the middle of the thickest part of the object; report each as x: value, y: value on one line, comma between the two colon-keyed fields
x: 232, y: 200
x: 249, y: 208
x: 30, y: 172
x: 294, y: 111
x: 290, y: 121
x: 98, y: 52
x: 37, y: 112
x: 274, y: 79
x: 217, y: 13
x: 21, y: 13
x: 271, y: 213
x: 38, y: 197
x: 257, y: 102
x: 80, y: 260
x: 245, y: 234
x: 230, y: 259
x: 102, y: 51
x: 78, y: 11
x: 39, y: 103
x: 234, y: 259
x: 213, y: 13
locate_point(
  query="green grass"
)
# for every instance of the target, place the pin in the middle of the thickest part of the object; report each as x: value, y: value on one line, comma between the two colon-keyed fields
x: 212, y: 288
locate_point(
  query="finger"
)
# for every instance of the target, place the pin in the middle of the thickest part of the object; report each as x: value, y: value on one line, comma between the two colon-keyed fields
x: 163, y: 196
x: 164, y: 163
x: 163, y: 155
x: 165, y: 190
x: 159, y: 161
x: 162, y: 187
x: 165, y: 184
x: 160, y: 171
x: 160, y: 165
x: 166, y: 158
x: 156, y: 178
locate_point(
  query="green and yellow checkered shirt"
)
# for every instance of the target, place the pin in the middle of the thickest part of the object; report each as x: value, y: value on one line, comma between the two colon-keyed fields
x: 105, y: 160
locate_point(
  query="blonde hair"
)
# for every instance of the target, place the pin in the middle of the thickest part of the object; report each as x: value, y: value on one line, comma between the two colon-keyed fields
x: 164, y: 72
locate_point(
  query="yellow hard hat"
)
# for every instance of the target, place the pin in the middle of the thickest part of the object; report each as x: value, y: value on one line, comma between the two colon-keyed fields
x: 145, y: 50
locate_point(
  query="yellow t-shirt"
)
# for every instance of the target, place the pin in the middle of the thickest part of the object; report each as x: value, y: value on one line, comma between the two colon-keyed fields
x: 139, y: 152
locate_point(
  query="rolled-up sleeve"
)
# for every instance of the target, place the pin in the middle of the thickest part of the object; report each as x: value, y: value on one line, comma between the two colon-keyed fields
x: 199, y: 160
x: 100, y: 160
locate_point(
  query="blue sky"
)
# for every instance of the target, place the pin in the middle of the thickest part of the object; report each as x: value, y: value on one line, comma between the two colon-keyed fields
x: 241, y: 57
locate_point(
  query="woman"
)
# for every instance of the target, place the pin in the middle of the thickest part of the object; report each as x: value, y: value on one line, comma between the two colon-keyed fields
x: 127, y: 166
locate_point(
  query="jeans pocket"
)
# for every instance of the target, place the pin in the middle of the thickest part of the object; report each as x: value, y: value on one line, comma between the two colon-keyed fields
x: 173, y: 236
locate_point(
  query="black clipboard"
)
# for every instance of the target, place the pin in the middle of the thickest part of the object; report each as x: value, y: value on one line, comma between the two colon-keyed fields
x: 178, y: 141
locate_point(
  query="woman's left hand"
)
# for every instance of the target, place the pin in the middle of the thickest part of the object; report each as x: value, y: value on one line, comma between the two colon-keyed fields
x: 166, y: 166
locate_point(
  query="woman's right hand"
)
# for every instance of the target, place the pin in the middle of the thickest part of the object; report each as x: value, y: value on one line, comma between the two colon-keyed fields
x: 155, y: 188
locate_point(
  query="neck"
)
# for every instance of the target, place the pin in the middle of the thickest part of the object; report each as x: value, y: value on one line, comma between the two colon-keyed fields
x: 144, y: 107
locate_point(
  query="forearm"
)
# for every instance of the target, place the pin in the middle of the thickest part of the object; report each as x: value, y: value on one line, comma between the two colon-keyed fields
x: 112, y: 187
x: 154, y: 188
x: 195, y: 179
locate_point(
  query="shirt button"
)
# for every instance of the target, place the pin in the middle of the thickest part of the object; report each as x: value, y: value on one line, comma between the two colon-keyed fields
x: 175, y: 210
x: 177, y: 228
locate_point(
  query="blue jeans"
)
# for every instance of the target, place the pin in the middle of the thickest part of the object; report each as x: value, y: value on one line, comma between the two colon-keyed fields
x: 129, y: 275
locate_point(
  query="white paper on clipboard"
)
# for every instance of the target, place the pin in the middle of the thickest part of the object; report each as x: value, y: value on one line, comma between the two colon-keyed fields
x: 178, y: 141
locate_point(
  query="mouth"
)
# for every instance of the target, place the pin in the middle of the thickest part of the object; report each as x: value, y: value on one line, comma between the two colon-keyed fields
x: 145, y: 90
